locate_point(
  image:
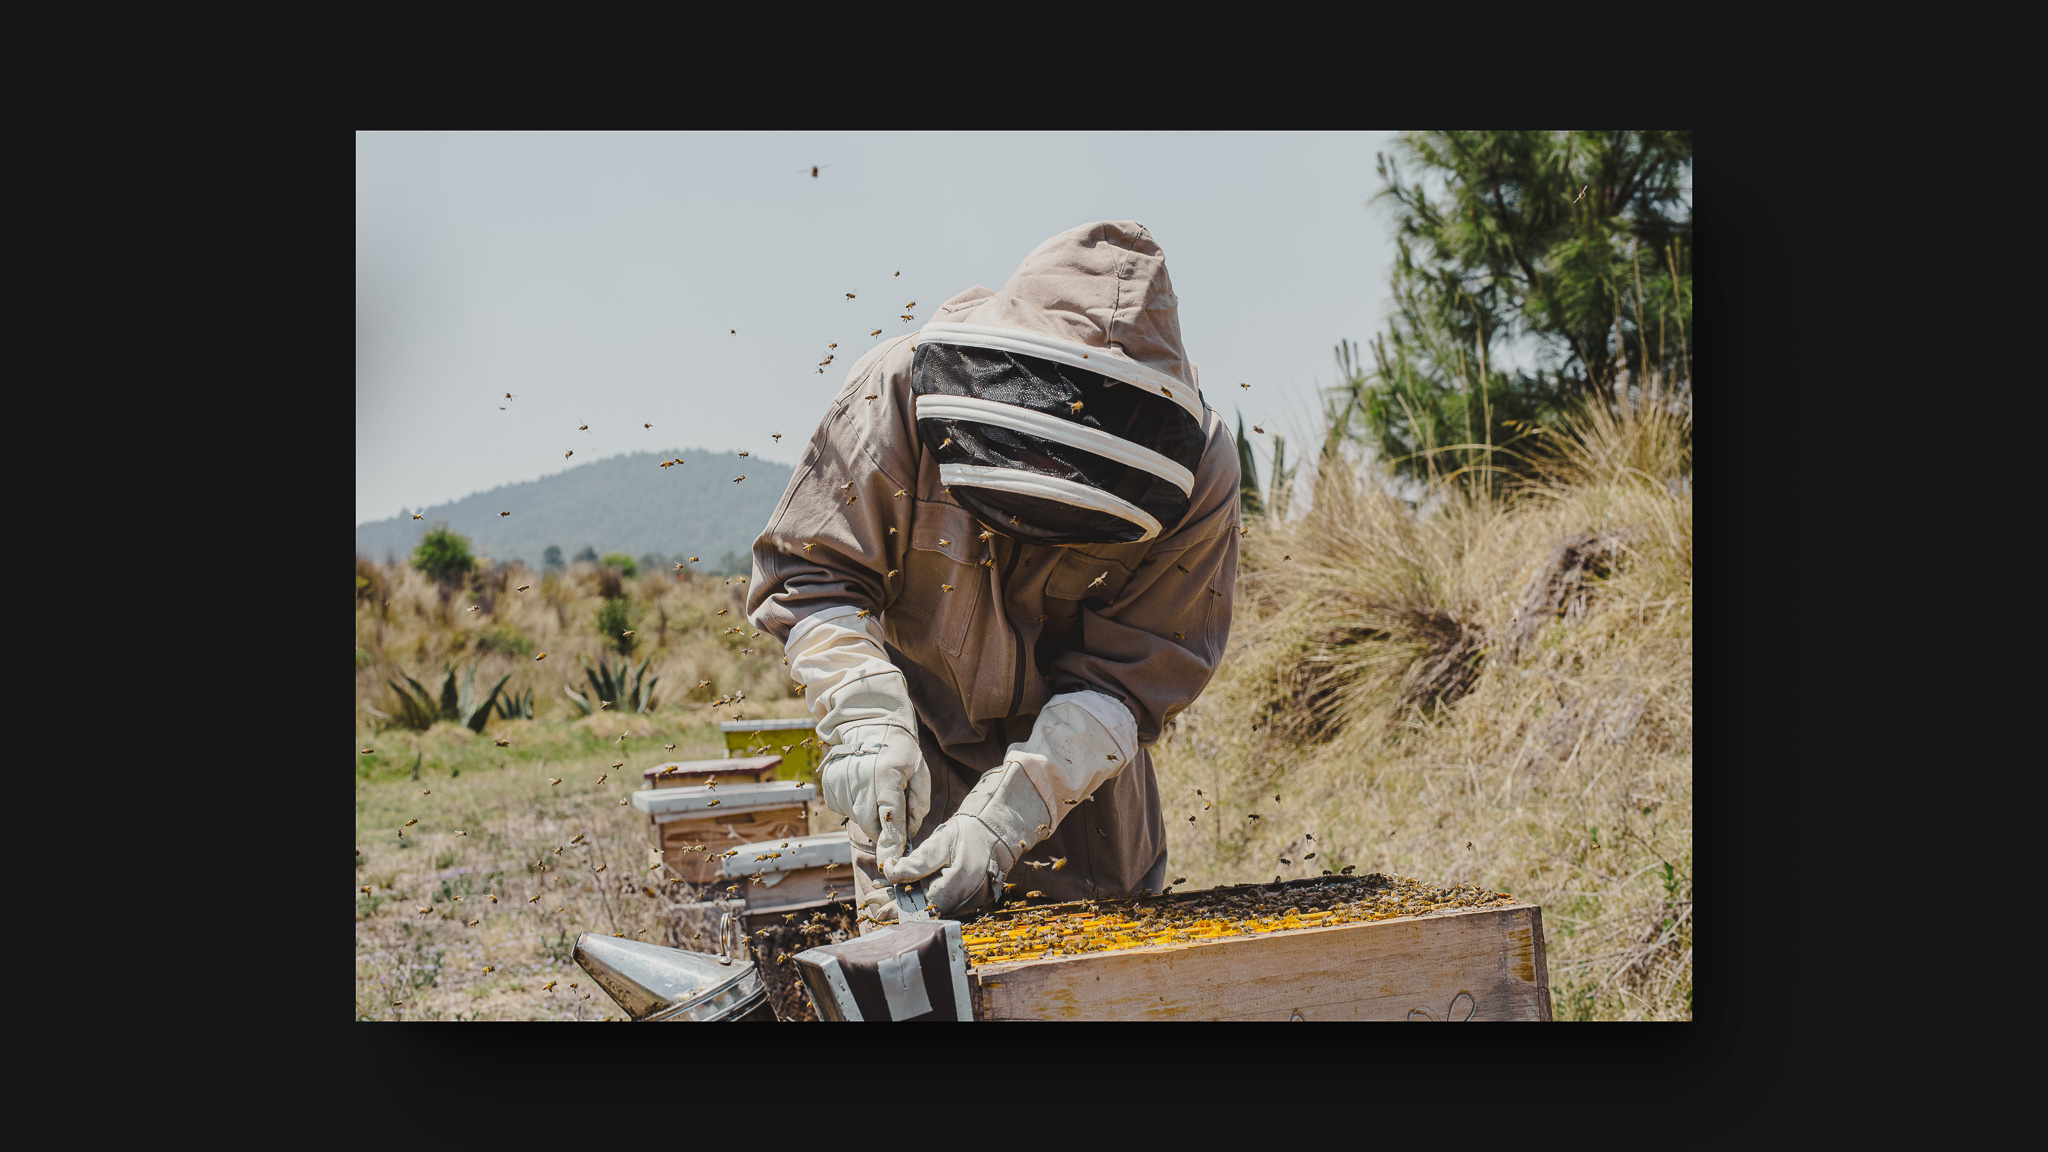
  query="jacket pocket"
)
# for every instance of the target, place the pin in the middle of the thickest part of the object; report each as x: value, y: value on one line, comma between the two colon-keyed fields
x: 1083, y: 576
x: 943, y: 578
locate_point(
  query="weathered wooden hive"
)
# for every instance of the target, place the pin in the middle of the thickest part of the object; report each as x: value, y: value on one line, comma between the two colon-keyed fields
x: 1334, y: 948
x: 690, y: 824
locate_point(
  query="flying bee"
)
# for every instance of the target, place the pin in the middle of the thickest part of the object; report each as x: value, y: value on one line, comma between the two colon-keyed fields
x: 892, y: 573
x: 693, y: 559
x: 647, y: 425
x: 369, y: 751
x: 366, y: 889
x: 1240, y: 386
x: 740, y: 477
x: 425, y: 911
x: 1184, y: 569
x: 810, y: 544
x: 549, y: 986
x: 524, y: 587
x: 1259, y: 430
x: 1252, y: 816
x: 946, y: 441
x: 1029, y: 895
x: 876, y: 332
x: 908, y: 318
x: 410, y: 823
x: 947, y: 587
x: 862, y: 612
x: 416, y: 516
x: 1244, y: 530
x: 1075, y: 406
x: 1059, y: 863
x: 985, y: 534
x: 576, y: 839
x: 504, y: 513
x: 554, y: 780
x: 1180, y: 635
x: 1095, y: 583
x: 1214, y: 592
x: 583, y: 427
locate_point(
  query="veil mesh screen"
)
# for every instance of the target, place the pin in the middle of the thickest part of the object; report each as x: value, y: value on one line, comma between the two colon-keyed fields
x: 1128, y: 413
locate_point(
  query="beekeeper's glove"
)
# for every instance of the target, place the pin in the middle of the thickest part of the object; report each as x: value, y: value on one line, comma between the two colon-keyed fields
x: 1081, y: 739
x: 875, y: 772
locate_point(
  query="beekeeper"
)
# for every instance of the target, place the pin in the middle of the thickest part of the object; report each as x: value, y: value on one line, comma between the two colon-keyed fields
x: 1005, y: 562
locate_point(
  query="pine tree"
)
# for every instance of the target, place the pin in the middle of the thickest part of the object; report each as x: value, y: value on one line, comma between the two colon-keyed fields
x: 1570, y: 250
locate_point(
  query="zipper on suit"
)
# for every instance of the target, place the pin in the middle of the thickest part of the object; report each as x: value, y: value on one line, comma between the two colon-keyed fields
x: 1016, y: 633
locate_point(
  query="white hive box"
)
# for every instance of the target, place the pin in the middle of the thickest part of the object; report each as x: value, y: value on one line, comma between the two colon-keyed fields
x: 720, y: 816
x: 795, y: 872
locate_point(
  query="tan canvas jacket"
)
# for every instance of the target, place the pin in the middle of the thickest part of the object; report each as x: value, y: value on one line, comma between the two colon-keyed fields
x: 985, y: 629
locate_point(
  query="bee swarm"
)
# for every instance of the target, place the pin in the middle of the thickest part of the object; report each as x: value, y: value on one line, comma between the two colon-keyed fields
x: 1037, y: 933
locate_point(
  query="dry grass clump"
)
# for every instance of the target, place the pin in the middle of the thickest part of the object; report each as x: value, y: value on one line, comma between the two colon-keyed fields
x: 1482, y: 689
x: 408, y: 624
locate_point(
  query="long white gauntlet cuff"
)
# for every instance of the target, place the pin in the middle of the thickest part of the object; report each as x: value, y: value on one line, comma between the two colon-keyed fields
x: 1081, y: 740
x: 835, y: 662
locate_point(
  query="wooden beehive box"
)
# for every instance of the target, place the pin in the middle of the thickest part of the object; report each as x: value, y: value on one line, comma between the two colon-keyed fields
x: 1485, y: 964
x: 685, y: 773
x: 721, y: 817
x: 799, y: 872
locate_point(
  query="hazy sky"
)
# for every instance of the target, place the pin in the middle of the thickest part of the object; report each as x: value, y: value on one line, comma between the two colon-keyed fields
x: 597, y: 278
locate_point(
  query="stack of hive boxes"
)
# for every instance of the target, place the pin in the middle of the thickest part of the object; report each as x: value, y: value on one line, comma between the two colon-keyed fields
x: 719, y: 804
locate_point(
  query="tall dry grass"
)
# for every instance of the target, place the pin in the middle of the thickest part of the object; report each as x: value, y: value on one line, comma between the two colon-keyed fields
x: 1479, y: 688
x: 406, y: 623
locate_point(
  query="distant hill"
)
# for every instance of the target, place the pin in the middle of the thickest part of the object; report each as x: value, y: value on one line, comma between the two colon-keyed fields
x: 624, y: 504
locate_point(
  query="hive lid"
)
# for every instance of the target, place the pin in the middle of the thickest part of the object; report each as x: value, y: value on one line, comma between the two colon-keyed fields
x: 725, y: 800
x: 789, y: 725
x: 736, y: 766
x: 648, y: 978
x: 818, y: 851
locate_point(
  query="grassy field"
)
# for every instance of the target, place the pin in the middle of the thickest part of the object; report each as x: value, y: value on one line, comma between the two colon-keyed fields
x: 1485, y: 689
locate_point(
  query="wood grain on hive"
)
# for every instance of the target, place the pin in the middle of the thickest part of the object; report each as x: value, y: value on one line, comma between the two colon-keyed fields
x: 1485, y: 964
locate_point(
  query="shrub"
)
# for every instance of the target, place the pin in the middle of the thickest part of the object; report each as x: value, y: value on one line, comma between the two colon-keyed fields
x: 614, y: 620
x: 552, y: 558
x: 626, y: 565
x: 443, y: 555
x: 505, y: 638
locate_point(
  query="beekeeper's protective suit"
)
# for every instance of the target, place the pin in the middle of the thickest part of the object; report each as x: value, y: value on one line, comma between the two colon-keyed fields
x: 1004, y: 563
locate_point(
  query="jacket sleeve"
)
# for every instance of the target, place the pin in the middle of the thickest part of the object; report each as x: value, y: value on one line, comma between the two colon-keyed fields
x: 840, y: 527
x: 1157, y: 646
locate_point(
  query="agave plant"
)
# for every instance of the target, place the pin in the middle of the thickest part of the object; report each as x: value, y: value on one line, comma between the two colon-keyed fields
x: 418, y: 709
x: 607, y: 686
x: 514, y: 706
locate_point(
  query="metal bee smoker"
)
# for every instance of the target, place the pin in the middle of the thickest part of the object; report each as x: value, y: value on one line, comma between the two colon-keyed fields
x: 915, y: 970
x: 655, y: 983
